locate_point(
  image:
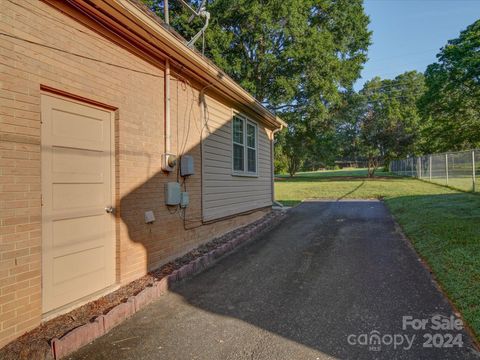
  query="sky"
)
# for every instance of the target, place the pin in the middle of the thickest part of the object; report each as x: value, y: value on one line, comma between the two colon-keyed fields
x: 407, y: 34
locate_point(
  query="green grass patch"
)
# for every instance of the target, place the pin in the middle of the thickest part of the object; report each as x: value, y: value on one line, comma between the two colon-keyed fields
x: 442, y: 223
x: 323, y: 174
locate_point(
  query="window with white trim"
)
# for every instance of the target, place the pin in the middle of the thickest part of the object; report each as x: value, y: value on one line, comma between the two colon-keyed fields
x: 245, y: 146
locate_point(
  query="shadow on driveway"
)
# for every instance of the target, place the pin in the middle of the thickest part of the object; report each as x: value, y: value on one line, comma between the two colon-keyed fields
x: 309, y: 289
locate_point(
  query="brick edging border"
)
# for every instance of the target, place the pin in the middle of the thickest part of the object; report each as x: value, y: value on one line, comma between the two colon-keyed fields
x: 84, y: 334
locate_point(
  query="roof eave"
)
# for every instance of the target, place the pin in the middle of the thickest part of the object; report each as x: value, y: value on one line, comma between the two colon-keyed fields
x: 150, y: 33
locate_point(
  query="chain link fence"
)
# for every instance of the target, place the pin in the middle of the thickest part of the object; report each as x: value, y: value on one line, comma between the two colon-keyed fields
x: 460, y: 170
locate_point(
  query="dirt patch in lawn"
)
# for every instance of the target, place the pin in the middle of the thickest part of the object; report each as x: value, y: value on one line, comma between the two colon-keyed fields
x: 36, y: 343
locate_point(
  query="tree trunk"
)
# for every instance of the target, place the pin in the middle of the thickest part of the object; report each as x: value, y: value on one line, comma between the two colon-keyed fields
x: 292, y: 165
x: 372, y: 165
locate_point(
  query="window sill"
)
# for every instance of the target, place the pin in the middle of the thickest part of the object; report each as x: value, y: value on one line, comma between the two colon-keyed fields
x: 250, y: 175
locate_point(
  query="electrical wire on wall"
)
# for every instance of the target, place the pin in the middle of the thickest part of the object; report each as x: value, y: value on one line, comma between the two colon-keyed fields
x: 203, y: 126
x: 189, y: 113
x: 204, y: 119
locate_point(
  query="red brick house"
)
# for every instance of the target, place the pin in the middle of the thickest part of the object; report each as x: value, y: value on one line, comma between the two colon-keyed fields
x: 106, y: 117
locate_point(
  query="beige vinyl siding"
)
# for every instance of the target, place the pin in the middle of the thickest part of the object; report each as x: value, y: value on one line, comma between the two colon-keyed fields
x: 226, y: 194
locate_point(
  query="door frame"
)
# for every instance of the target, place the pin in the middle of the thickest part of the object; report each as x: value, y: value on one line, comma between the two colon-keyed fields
x: 63, y: 95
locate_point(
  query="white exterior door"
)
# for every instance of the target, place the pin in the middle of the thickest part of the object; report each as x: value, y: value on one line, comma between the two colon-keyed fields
x: 77, y: 190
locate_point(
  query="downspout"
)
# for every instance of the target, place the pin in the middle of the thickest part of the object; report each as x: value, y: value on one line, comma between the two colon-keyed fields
x: 272, y: 160
x: 167, y: 89
x: 168, y: 144
x: 168, y: 159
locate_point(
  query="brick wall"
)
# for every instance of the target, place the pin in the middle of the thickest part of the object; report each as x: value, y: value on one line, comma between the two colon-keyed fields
x: 137, y: 92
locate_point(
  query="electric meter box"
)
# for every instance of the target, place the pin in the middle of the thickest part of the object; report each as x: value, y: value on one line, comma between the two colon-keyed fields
x: 186, y: 165
x: 169, y: 161
x: 172, y: 193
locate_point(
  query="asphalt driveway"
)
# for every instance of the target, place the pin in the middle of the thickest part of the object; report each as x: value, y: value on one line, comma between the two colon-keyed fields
x: 334, y: 280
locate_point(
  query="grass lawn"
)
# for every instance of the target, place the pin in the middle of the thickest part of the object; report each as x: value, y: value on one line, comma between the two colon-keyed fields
x: 442, y: 223
x: 461, y: 183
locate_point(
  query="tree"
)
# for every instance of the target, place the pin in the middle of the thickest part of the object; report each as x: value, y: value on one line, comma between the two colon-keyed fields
x: 294, y: 56
x: 347, y: 118
x: 451, y: 104
x: 382, y: 121
x: 391, y: 122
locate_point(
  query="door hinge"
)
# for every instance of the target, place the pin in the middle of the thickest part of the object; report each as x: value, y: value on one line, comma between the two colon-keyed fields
x: 41, y: 200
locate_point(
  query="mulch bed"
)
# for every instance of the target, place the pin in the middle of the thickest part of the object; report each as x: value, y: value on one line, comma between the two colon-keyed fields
x: 36, y: 343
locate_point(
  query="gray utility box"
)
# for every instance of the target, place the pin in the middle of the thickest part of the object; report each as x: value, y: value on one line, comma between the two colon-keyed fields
x: 172, y: 193
x: 186, y: 166
x: 184, y: 199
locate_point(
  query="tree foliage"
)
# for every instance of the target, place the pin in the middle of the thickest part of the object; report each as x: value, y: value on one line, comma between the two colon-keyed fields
x: 414, y: 113
x: 348, y: 119
x: 394, y: 122
x: 451, y: 105
x: 382, y: 121
x: 294, y: 56
x: 300, y: 58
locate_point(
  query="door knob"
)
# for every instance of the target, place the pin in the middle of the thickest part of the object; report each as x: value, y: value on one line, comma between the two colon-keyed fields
x: 110, y: 209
